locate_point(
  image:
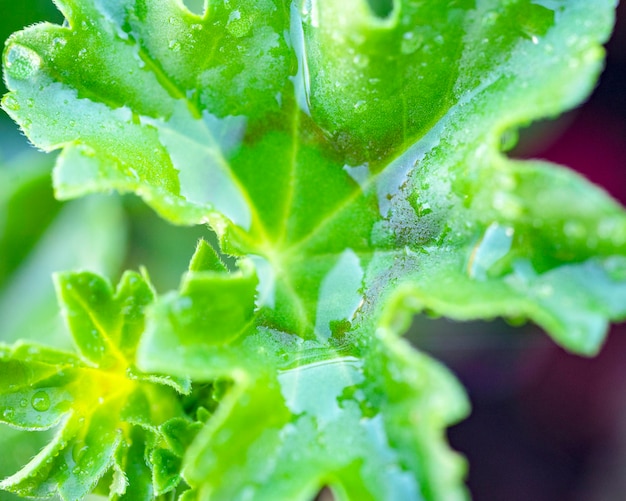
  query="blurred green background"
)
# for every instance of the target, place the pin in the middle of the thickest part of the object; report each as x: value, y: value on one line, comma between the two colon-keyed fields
x: 546, y: 425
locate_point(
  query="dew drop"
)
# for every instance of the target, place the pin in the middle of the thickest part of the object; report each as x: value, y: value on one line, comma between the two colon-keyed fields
x: 490, y: 18
x: 174, y: 45
x: 411, y: 42
x: 8, y: 413
x: 59, y: 43
x: 22, y: 62
x: 40, y: 401
x: 11, y: 103
x: 23, y: 402
x: 574, y: 230
x: 360, y: 61
x: 360, y: 105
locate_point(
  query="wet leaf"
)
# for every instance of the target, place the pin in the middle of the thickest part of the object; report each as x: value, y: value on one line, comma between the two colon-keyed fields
x: 350, y: 154
x: 105, y: 414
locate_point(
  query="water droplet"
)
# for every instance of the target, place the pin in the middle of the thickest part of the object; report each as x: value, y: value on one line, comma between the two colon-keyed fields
x: 23, y: 403
x: 574, y: 230
x: 506, y: 204
x: 40, y: 401
x: 11, y: 103
x: 490, y: 18
x: 8, y: 413
x: 411, y: 42
x: 59, y: 43
x: 360, y: 105
x: 361, y: 61
x: 174, y: 45
x: 22, y: 62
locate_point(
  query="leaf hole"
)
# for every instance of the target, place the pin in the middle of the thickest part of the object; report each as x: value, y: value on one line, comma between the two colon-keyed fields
x: 197, y: 7
x: 381, y: 8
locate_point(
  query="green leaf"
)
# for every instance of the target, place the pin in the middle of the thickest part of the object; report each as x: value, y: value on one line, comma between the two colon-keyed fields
x: 34, y: 387
x: 105, y: 327
x: 350, y: 154
x: 206, y: 259
x: 330, y: 136
x: 106, y: 413
x: 366, y: 420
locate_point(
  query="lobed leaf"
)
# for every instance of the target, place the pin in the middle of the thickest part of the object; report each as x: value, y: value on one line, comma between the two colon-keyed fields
x: 321, y: 136
x: 106, y: 413
x: 351, y: 155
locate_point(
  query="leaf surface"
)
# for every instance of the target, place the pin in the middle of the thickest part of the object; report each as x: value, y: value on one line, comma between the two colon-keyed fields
x: 106, y: 414
x: 351, y: 154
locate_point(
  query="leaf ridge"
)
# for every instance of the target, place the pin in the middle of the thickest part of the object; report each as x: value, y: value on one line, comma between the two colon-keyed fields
x: 102, y: 330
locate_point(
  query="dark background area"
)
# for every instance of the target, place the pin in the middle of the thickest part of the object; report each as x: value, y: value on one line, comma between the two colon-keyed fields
x: 546, y: 425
